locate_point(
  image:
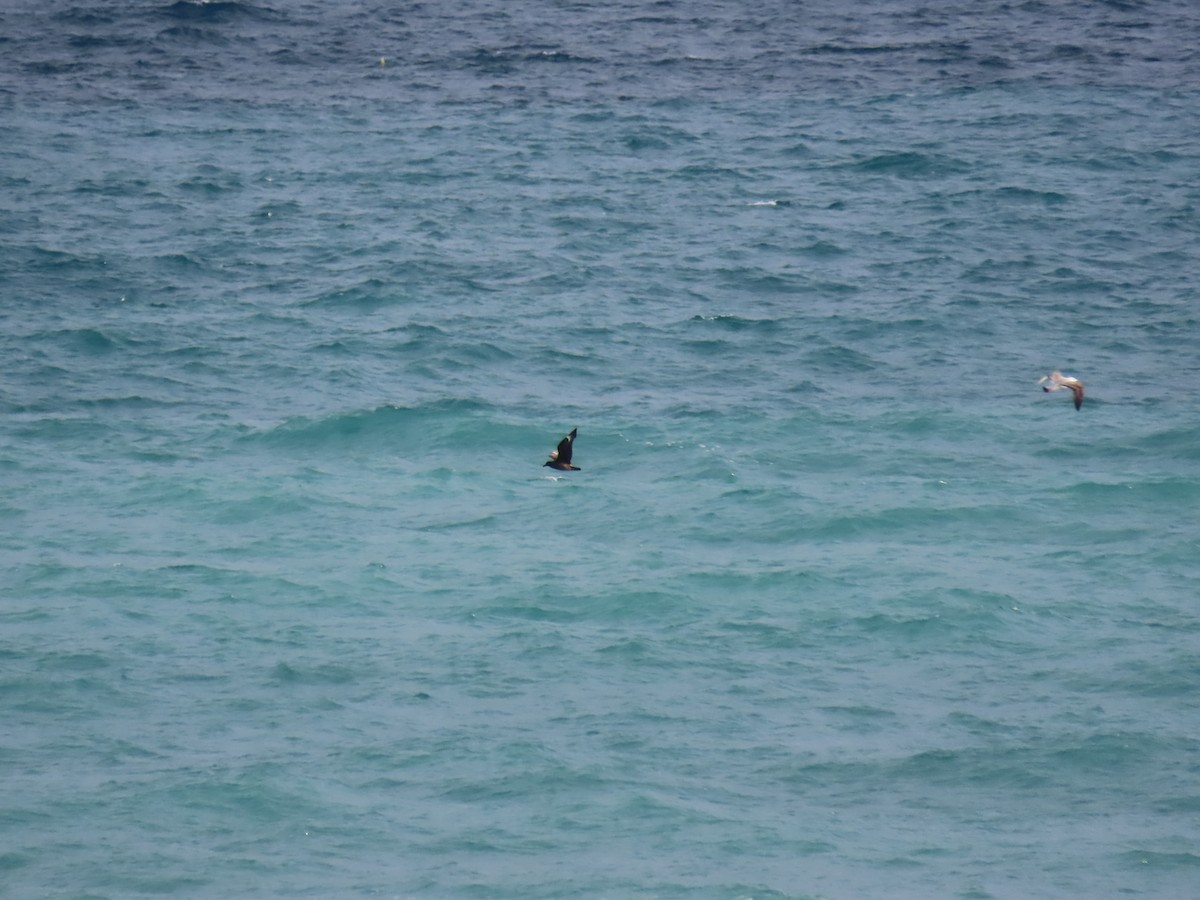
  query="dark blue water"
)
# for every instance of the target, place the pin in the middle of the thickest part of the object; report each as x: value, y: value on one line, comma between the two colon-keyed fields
x: 295, y: 299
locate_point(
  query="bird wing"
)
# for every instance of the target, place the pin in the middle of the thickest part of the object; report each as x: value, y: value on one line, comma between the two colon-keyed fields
x: 564, y: 447
x: 1077, y: 390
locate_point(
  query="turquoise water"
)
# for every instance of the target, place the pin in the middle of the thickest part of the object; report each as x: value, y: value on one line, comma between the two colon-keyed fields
x: 296, y: 300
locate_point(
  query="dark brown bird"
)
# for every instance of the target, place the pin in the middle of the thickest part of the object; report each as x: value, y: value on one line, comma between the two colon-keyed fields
x: 561, y: 458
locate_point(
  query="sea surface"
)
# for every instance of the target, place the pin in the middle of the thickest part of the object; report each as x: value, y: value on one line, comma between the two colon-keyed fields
x: 296, y: 298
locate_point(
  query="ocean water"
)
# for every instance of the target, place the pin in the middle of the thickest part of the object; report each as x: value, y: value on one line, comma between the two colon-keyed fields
x: 296, y: 297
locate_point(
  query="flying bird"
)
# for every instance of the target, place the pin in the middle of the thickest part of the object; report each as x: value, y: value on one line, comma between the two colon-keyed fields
x: 1056, y: 381
x: 561, y: 458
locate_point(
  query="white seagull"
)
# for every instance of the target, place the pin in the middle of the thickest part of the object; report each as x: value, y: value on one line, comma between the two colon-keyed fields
x: 1056, y: 381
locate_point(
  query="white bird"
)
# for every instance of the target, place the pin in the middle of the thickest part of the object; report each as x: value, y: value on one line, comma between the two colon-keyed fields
x: 1056, y: 381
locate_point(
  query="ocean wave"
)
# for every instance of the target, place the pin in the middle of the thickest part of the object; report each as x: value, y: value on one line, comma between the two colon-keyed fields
x: 217, y: 11
x: 739, y: 323
x: 92, y: 341
x: 194, y: 35
x: 370, y: 293
x: 1139, y: 490
x: 839, y: 360
x: 1029, y: 195
x: 911, y: 164
x: 425, y: 428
